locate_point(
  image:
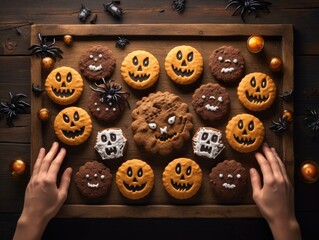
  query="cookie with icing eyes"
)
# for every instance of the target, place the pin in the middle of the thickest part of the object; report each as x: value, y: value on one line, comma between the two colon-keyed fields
x: 228, y: 180
x: 227, y: 64
x: 211, y: 101
x: 93, y: 179
x: 256, y: 91
x: 97, y: 62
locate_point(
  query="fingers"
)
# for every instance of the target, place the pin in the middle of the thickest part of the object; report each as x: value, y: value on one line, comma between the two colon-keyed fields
x: 38, y: 162
x: 46, y: 162
x: 273, y: 161
x: 255, y: 181
x: 281, y: 164
x: 65, y: 183
x: 56, y: 164
x: 264, y: 166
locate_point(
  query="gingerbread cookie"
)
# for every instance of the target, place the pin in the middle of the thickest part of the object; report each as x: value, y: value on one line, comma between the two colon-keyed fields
x: 111, y: 143
x: 107, y: 101
x: 227, y: 64
x: 256, y: 91
x: 64, y: 85
x: 73, y: 125
x: 93, y: 179
x: 184, y: 64
x: 161, y: 122
x: 140, y: 69
x: 245, y: 133
x: 208, y: 142
x: 97, y: 62
x: 135, y: 179
x: 228, y: 180
x: 211, y: 101
x: 182, y: 178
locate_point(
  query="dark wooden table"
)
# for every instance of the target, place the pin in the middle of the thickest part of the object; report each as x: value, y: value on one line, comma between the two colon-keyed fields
x: 16, y: 18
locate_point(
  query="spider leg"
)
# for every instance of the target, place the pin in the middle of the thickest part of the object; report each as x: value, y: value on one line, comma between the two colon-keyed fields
x: 233, y: 3
x: 243, y: 13
x: 236, y: 10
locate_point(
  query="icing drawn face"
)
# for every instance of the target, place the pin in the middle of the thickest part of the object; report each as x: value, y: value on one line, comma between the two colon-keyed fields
x: 245, y: 132
x: 182, y: 178
x: 184, y: 64
x: 64, y: 85
x: 135, y: 179
x: 110, y: 143
x: 140, y: 69
x: 257, y: 90
x: 73, y: 125
x: 229, y: 59
x: 208, y: 143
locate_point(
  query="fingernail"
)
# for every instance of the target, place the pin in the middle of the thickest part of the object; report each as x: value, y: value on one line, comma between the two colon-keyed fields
x: 266, y: 144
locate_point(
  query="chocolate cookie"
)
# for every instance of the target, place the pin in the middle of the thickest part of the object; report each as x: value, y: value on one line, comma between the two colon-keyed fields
x: 228, y: 180
x: 93, y: 179
x: 227, y: 64
x: 211, y: 102
x: 97, y: 62
x: 161, y: 122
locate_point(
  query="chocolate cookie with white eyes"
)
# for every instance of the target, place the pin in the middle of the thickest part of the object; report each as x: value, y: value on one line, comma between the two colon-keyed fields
x: 93, y: 179
x: 228, y: 180
x: 227, y: 64
x: 211, y: 101
x: 97, y: 62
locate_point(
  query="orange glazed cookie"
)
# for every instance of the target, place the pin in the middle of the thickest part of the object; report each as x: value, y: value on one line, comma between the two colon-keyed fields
x: 135, y: 179
x: 184, y: 64
x: 256, y: 91
x: 73, y: 125
x: 161, y: 122
x: 140, y: 69
x: 182, y: 178
x: 64, y: 85
x: 245, y: 133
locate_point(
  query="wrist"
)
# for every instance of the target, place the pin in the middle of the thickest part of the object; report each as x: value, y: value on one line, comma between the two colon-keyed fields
x: 285, y: 229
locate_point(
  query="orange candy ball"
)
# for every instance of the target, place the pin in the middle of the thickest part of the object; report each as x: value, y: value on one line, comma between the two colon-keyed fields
x: 44, y: 114
x: 47, y: 63
x: 255, y: 44
x: 18, y: 167
x: 68, y: 39
x: 275, y: 64
x: 309, y: 171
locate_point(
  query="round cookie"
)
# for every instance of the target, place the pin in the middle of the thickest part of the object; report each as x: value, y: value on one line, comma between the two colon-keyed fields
x: 140, y: 69
x: 93, y: 179
x: 135, y: 179
x: 161, y: 122
x: 182, y: 178
x: 256, y: 91
x: 228, y: 181
x: 245, y: 133
x: 208, y: 142
x: 107, y: 101
x: 97, y: 62
x: 73, y: 125
x: 111, y: 143
x: 227, y: 64
x: 211, y: 101
x: 184, y: 64
x: 64, y: 85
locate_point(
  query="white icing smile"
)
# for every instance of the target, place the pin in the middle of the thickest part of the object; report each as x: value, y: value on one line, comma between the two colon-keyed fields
x: 211, y: 107
x: 92, y: 185
x: 95, y: 68
x: 227, y: 70
x: 229, y: 186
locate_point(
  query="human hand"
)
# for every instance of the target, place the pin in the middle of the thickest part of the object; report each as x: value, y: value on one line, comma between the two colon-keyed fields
x: 43, y: 198
x: 275, y: 198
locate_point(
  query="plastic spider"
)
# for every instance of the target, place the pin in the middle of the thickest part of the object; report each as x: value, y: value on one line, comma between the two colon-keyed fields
x: 13, y: 108
x: 121, y: 42
x: 248, y: 6
x: 312, y: 120
x: 178, y: 5
x: 111, y: 93
x: 287, y: 96
x: 280, y: 126
x: 46, y: 49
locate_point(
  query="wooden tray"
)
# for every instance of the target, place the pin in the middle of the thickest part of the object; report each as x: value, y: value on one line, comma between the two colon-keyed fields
x: 159, y: 39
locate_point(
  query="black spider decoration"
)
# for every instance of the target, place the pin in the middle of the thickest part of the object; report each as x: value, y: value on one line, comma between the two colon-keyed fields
x: 248, y: 6
x: 114, y: 9
x: 37, y: 90
x: 312, y: 120
x: 46, y: 49
x: 84, y: 13
x: 280, y: 126
x: 179, y: 5
x: 121, y: 42
x: 287, y: 96
x: 12, y: 109
x: 111, y: 93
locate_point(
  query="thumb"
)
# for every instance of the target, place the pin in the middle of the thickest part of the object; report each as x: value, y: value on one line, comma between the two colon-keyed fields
x: 255, y: 181
x: 65, y: 183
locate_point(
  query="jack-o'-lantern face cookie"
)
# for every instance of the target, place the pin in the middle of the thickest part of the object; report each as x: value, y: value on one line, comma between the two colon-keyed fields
x: 227, y: 64
x: 97, y: 62
x: 182, y: 178
x: 93, y: 179
x: 256, y: 91
x: 245, y: 132
x: 140, y: 69
x: 135, y: 179
x: 73, y: 125
x: 161, y: 122
x: 64, y: 85
x: 184, y: 64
